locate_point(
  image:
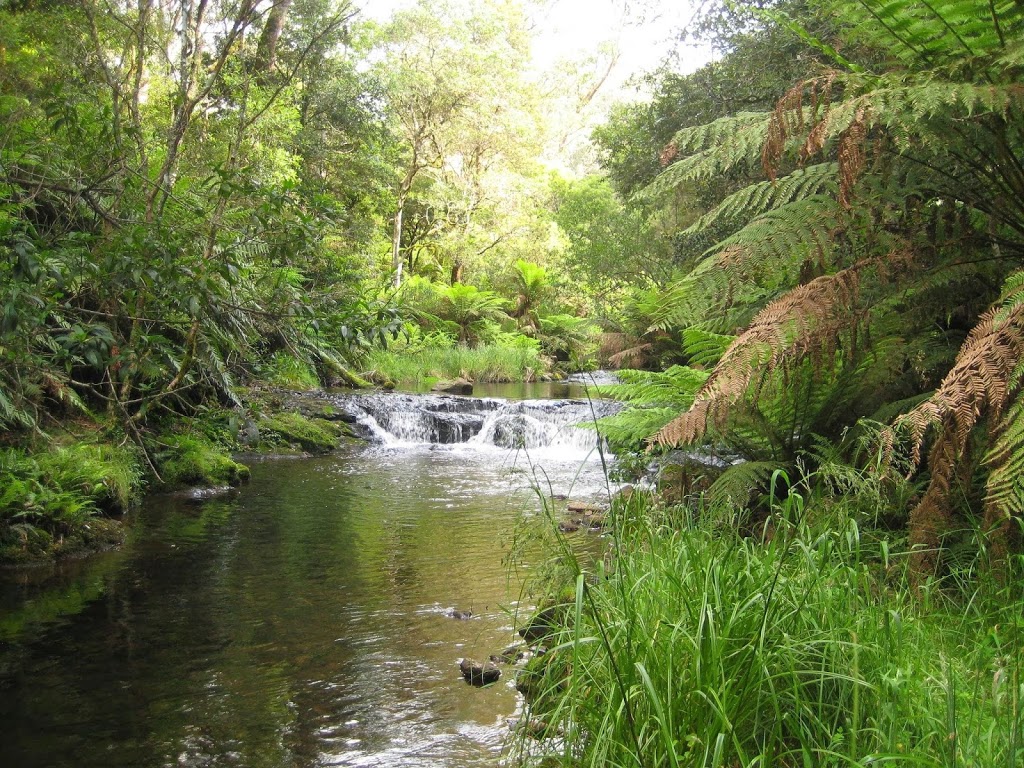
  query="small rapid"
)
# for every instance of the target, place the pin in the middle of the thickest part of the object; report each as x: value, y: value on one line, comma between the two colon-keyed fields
x: 548, y: 441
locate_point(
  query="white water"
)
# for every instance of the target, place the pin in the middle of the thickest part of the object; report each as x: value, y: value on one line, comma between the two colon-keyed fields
x: 538, y: 442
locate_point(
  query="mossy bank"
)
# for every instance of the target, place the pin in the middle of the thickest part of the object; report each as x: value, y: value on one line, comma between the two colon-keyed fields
x: 72, y: 491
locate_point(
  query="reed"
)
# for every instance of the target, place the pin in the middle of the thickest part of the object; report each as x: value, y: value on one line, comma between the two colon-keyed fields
x: 696, y: 646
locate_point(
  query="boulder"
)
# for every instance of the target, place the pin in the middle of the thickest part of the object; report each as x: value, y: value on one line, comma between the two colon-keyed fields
x: 457, y: 387
x: 585, y: 508
x: 479, y: 674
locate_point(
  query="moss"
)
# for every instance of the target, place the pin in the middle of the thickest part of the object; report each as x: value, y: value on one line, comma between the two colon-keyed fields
x: 315, y: 436
x: 193, y: 460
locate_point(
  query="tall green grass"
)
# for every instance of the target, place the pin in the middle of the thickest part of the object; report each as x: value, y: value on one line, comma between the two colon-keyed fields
x: 698, y: 647
x: 424, y: 366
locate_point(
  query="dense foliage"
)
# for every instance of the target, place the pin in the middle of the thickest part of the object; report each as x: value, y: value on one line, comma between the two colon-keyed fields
x: 855, y: 256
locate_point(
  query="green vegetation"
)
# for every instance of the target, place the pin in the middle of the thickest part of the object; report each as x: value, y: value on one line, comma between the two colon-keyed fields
x: 422, y: 361
x: 703, y: 647
x: 51, y: 500
x: 810, y: 252
x: 317, y: 436
x: 193, y: 459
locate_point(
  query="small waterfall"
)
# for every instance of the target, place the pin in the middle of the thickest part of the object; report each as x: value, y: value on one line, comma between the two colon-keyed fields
x: 542, y: 427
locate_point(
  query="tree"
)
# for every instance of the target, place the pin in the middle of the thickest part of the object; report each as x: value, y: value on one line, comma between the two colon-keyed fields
x: 452, y: 71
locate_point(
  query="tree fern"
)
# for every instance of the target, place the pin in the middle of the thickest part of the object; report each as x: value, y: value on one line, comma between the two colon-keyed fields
x: 711, y: 150
x: 759, y: 198
x: 705, y: 348
x: 937, y: 31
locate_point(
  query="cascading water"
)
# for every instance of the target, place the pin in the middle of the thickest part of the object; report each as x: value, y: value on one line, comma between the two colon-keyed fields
x: 546, y: 437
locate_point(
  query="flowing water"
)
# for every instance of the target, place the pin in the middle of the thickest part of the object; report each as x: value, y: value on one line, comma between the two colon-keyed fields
x: 306, y: 619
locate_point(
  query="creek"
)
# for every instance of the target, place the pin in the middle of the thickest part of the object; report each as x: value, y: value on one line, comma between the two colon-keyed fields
x: 305, y: 619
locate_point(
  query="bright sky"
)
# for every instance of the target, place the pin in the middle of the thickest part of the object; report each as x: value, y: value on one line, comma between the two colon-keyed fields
x: 575, y: 29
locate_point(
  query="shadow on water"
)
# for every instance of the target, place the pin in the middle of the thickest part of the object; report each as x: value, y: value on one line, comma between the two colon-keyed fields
x: 304, y: 621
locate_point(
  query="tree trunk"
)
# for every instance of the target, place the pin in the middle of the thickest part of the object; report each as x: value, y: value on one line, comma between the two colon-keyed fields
x: 396, y: 242
x: 266, y: 51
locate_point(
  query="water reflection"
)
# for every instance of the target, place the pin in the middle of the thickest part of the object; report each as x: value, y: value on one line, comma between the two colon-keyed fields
x: 303, y: 622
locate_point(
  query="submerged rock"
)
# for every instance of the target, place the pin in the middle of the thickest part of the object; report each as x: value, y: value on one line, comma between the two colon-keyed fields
x: 479, y: 674
x: 203, y: 494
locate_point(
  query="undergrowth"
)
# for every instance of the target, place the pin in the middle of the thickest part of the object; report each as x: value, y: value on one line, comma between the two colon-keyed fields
x: 51, y: 495
x: 699, y: 647
x: 425, y: 365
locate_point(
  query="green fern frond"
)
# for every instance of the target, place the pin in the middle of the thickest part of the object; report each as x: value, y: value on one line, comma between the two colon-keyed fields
x: 739, y: 482
x: 767, y: 195
x: 937, y: 31
x: 704, y: 347
x: 672, y: 387
x: 711, y: 150
x: 653, y: 400
x: 631, y: 427
x: 726, y: 130
x: 771, y: 241
x: 1005, y: 486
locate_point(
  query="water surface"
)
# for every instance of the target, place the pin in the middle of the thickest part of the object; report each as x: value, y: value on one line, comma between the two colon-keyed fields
x: 303, y: 621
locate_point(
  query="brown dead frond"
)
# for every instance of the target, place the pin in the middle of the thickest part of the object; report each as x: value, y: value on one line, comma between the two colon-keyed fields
x: 632, y: 357
x: 789, y: 118
x: 979, y: 386
x: 811, y: 320
x: 852, y: 156
x: 976, y: 386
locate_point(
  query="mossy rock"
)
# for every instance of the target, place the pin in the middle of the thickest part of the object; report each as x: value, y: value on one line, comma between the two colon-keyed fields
x: 188, y: 460
x: 315, y: 436
x: 36, y: 545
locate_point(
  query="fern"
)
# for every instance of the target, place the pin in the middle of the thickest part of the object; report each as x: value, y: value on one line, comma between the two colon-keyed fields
x: 937, y: 31
x: 767, y: 195
x: 735, y: 486
x: 705, y: 348
x: 710, y: 150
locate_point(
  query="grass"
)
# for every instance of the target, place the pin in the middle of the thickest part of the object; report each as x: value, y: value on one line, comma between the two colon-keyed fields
x: 424, y: 366
x: 698, y: 647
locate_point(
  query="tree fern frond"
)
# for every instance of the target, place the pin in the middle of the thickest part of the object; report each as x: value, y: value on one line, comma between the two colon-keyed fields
x: 978, y: 383
x: 703, y: 347
x: 800, y: 226
x: 675, y: 386
x: 1004, y: 491
x: 936, y: 31
x: 705, y: 294
x: 724, y: 130
x: 810, y: 319
x: 709, y: 151
x: 653, y: 399
x: 816, y: 180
